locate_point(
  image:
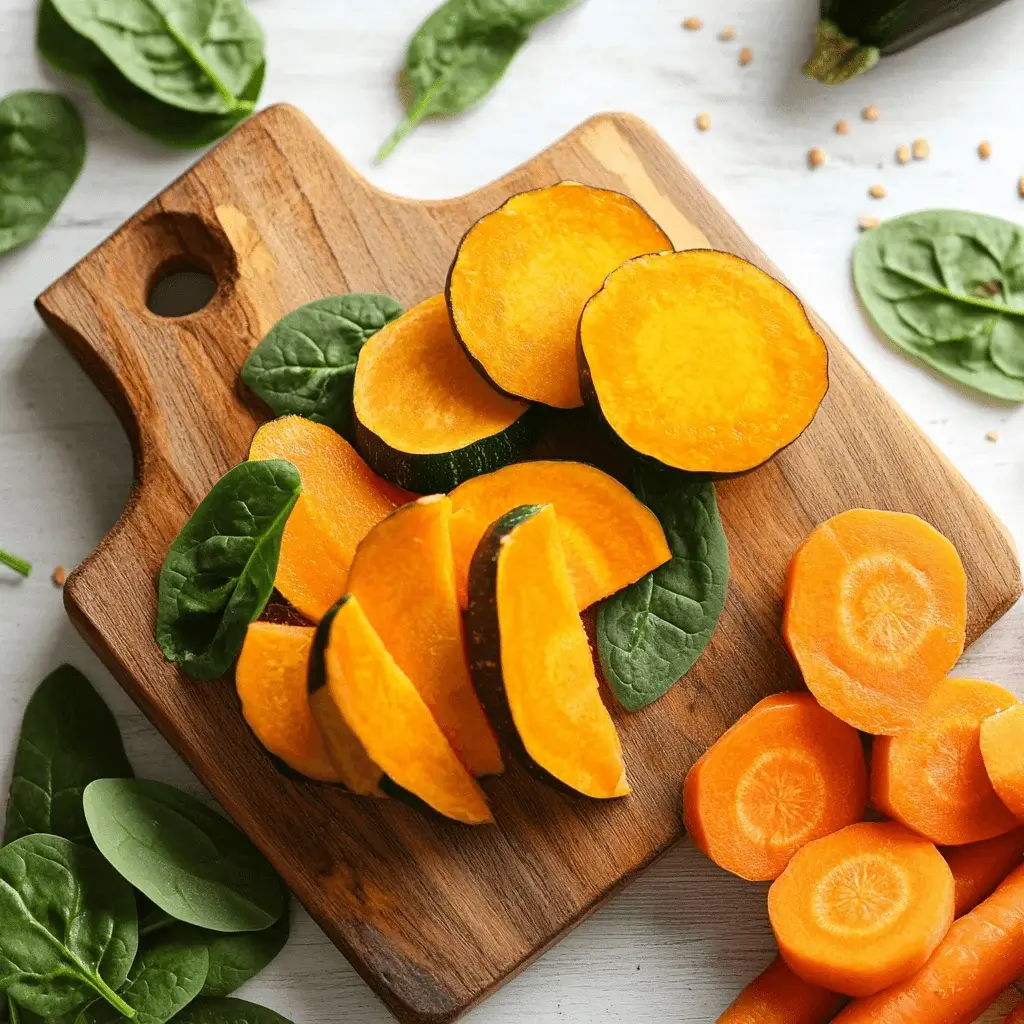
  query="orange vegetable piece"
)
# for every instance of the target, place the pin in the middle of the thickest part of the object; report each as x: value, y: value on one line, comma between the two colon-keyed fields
x: 270, y: 678
x: 778, y: 996
x: 863, y: 908
x: 980, y: 956
x: 932, y: 777
x: 609, y: 537
x: 1002, y: 749
x: 1016, y: 1016
x: 404, y: 578
x: 875, y: 615
x: 979, y: 867
x: 786, y: 773
x: 341, y: 500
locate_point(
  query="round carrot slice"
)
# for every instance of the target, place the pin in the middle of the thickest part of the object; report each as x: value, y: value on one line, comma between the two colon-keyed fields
x: 863, y: 908
x: 876, y: 614
x: 786, y: 773
x: 1002, y: 749
x: 932, y: 776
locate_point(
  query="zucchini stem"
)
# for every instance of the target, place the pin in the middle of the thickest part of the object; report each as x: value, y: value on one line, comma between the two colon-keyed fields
x: 837, y: 57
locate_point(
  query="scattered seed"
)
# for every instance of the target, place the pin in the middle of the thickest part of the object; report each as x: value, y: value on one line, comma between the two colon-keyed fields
x: 921, y: 149
x: 984, y: 150
x: 728, y: 34
x: 703, y: 122
x: 842, y: 127
x: 59, y: 575
x: 867, y: 223
x: 1020, y: 186
x: 746, y: 56
x: 903, y: 154
x: 816, y: 156
x: 992, y: 435
x: 877, y: 192
x: 693, y: 24
x: 989, y: 288
x: 871, y: 113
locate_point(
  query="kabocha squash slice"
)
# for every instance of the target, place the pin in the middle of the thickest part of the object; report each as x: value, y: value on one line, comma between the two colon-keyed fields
x: 425, y: 419
x: 404, y: 578
x: 382, y: 710
x: 523, y: 273
x: 701, y: 361
x: 271, y: 680
x: 531, y: 660
x: 609, y: 538
x: 341, y: 500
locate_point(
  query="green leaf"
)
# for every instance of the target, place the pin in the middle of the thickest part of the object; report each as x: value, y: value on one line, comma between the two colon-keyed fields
x: 42, y: 152
x: 68, y: 739
x: 235, y: 959
x: 75, y: 55
x: 191, y: 862
x: 219, y: 572
x: 461, y: 52
x: 651, y: 634
x: 307, y: 363
x: 198, y: 55
x: 228, y: 1011
x: 69, y: 929
x: 947, y: 287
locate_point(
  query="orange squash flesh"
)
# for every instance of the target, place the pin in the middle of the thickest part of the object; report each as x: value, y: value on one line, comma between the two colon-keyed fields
x: 1002, y: 748
x: 702, y: 361
x: 384, y: 711
x: 531, y: 660
x: 270, y: 678
x: 875, y: 615
x: 523, y: 274
x: 341, y: 500
x: 932, y: 776
x: 609, y: 538
x: 404, y: 578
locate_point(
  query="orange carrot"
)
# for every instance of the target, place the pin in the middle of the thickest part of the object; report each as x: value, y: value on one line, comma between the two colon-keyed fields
x: 932, y: 777
x: 875, y: 615
x: 778, y: 996
x: 862, y: 909
x: 979, y: 867
x: 1016, y: 1016
x: 1002, y: 749
x: 981, y: 954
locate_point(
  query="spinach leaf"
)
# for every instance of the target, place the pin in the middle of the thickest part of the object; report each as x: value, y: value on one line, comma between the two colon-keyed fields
x: 651, y: 634
x: 69, y: 930
x: 42, y: 151
x: 16, y: 564
x: 307, y: 363
x: 191, y: 862
x: 68, y: 739
x: 948, y: 288
x: 198, y: 55
x: 234, y: 959
x: 220, y: 570
x: 461, y: 51
x: 228, y: 1011
x: 75, y: 55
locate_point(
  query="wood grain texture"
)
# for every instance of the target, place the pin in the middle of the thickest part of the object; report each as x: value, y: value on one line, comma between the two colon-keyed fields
x: 435, y: 915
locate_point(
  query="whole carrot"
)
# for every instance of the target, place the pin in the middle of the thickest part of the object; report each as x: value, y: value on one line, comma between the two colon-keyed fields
x: 980, y: 956
x: 778, y: 996
x: 978, y: 868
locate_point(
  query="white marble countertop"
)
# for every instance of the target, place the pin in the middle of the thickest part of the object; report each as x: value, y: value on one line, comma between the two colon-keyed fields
x: 684, y: 938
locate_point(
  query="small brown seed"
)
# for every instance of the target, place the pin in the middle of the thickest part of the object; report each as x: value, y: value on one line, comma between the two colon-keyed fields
x: 693, y: 24
x: 728, y: 34
x: 920, y: 149
x: 703, y: 122
x: 746, y: 56
x: 903, y: 154
x: 816, y: 156
x: 992, y: 435
x: 59, y: 575
x: 877, y: 192
x: 984, y: 150
x: 871, y: 113
x: 867, y: 223
x: 1020, y: 186
x: 842, y: 127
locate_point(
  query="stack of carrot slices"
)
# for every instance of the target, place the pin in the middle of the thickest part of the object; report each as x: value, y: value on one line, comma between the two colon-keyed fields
x: 919, y: 918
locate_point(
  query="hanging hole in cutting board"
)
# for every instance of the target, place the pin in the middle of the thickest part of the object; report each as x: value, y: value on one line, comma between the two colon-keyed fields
x: 180, y: 291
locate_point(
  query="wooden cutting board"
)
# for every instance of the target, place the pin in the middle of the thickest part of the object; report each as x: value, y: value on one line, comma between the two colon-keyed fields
x: 436, y: 915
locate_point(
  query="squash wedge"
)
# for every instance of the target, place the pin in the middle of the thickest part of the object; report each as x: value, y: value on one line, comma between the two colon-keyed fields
x: 341, y: 501
x: 424, y: 418
x: 610, y: 539
x: 531, y: 660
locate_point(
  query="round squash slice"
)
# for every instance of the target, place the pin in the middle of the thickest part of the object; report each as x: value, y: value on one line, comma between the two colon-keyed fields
x: 701, y: 361
x: 523, y: 274
x: 425, y: 419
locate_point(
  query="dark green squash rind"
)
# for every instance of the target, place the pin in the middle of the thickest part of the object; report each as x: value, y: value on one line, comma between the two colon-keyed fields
x: 316, y: 678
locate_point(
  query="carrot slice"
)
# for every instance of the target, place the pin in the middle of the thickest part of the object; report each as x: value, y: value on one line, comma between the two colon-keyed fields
x: 863, y: 908
x: 979, y: 867
x: 1002, y: 749
x: 875, y: 615
x: 778, y: 996
x: 932, y: 777
x: 786, y: 773
x: 981, y: 955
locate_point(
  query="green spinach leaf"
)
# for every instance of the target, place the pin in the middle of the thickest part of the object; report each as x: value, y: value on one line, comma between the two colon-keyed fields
x: 191, y: 862
x: 234, y: 959
x: 228, y: 1011
x: 69, y: 930
x: 198, y: 55
x: 16, y: 564
x: 220, y: 570
x: 68, y: 739
x: 947, y: 287
x: 75, y: 55
x: 651, y: 634
x: 42, y: 152
x: 461, y: 52
x: 307, y: 363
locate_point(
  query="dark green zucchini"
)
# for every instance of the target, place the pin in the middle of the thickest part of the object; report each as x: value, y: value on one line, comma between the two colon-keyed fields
x: 853, y: 35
